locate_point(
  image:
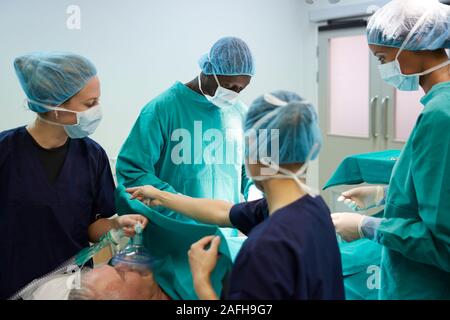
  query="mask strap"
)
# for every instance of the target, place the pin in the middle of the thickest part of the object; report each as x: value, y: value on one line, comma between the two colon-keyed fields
x: 56, y: 109
x: 200, y: 84
x: 301, y: 172
x: 217, y: 80
x: 410, y: 34
x: 277, y: 102
x: 439, y: 66
x: 212, y: 69
x: 50, y: 122
x: 311, y: 153
x: 269, y: 98
x: 49, y: 108
x: 286, y: 174
x: 264, y: 119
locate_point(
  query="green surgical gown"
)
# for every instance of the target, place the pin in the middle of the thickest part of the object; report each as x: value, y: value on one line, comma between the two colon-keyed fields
x: 183, y: 143
x: 360, y: 268
x: 168, y: 240
x: 372, y: 168
x: 415, y: 233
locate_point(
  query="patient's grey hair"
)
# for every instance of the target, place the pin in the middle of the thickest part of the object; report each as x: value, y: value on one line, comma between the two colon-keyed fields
x: 86, y: 291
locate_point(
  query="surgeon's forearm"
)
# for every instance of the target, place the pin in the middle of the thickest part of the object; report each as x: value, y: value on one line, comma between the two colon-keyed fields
x: 208, y: 211
x: 100, y: 227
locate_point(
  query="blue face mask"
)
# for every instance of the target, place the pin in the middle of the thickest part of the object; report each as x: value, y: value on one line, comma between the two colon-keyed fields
x: 87, y: 121
x: 392, y: 74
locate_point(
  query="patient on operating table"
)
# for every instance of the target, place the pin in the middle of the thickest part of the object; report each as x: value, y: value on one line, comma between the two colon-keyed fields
x: 117, y: 283
x: 120, y: 282
x: 102, y: 283
x: 129, y: 277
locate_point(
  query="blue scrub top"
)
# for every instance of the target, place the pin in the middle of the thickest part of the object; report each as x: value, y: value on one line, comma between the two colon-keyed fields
x: 44, y: 224
x: 291, y: 255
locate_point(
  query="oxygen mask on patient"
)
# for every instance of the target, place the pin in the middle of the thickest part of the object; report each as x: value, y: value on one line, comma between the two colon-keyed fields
x: 134, y: 256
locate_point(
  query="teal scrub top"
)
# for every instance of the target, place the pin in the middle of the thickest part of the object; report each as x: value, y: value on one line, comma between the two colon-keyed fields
x: 415, y: 233
x: 183, y: 143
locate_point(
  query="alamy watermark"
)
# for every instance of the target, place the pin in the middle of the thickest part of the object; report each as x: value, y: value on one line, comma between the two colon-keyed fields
x: 373, y: 280
x: 73, y: 21
x: 214, y: 146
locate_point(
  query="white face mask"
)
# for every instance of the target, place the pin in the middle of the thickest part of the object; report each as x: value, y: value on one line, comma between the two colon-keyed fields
x: 87, y: 121
x: 223, y: 98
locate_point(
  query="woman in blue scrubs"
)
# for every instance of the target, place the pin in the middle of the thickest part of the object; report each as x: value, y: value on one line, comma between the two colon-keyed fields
x: 56, y: 186
x: 291, y: 252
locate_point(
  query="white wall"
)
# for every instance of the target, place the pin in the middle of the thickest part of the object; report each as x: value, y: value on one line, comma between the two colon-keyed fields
x: 309, y: 39
x: 142, y: 47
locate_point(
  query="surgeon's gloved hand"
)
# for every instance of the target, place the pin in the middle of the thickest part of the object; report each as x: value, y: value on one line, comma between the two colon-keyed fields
x: 363, y: 198
x: 128, y: 222
x: 147, y: 194
x: 348, y: 225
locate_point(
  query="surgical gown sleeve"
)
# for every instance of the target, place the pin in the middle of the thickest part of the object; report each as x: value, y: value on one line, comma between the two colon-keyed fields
x: 426, y: 239
x: 142, y: 150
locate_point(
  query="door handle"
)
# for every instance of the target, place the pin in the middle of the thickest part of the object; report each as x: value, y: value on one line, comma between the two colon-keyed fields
x: 373, y: 116
x: 384, y: 110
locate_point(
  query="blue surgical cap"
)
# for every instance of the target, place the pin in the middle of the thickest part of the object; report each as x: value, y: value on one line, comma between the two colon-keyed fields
x: 428, y: 21
x: 296, y: 122
x: 228, y: 57
x: 51, y: 78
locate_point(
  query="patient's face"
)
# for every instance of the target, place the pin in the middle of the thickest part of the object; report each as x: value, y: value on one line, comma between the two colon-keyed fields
x: 121, y: 282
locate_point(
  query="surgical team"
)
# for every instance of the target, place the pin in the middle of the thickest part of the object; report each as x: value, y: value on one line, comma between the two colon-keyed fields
x: 248, y: 177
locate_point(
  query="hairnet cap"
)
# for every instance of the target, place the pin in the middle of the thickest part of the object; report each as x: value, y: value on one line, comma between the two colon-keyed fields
x: 428, y: 19
x: 229, y: 56
x: 51, y: 78
x: 296, y: 122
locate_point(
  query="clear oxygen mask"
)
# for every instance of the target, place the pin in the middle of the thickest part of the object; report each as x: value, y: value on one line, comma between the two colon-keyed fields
x: 134, y: 255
